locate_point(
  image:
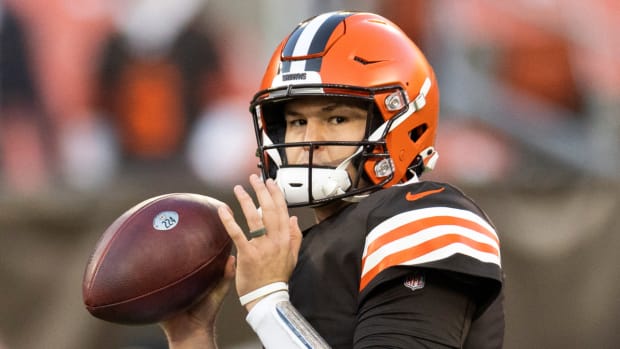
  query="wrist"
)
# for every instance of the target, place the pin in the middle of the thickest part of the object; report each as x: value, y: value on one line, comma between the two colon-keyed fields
x: 264, y: 306
x: 189, y: 335
x: 279, y: 325
x: 196, y: 339
x: 250, y: 299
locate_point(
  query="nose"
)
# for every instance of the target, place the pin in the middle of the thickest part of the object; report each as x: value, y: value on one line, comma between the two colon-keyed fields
x: 313, y: 132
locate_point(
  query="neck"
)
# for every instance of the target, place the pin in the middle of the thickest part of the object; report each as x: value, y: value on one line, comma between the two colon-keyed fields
x: 321, y: 213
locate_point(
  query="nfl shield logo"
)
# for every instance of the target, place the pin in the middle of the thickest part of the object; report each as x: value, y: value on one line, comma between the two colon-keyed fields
x: 415, y: 281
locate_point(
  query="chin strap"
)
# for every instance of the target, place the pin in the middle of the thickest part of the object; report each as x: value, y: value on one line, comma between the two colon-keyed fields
x: 429, y: 158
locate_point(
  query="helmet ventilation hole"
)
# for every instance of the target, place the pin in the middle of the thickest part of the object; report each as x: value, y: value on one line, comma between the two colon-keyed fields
x: 417, y: 132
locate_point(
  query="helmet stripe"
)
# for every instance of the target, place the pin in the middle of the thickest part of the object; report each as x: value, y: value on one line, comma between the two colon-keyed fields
x: 310, y: 38
x: 325, y: 31
x: 287, y: 51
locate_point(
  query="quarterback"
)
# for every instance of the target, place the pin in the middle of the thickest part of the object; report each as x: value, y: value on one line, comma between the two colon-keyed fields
x: 345, y: 122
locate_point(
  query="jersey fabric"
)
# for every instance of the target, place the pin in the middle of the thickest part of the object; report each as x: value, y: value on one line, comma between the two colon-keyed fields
x: 414, y: 265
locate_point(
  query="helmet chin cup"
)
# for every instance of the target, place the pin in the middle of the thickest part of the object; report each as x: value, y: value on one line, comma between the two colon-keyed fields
x: 326, y: 182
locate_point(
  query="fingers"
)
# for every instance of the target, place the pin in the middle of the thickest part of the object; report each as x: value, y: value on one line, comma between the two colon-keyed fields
x: 268, y: 207
x: 273, y: 205
x: 272, y: 214
x: 229, y: 269
x: 280, y: 205
x: 234, y: 230
x: 250, y: 211
x: 224, y: 285
x: 202, y: 315
x: 229, y: 274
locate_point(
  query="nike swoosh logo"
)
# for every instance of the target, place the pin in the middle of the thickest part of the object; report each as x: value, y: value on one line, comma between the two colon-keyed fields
x: 413, y: 197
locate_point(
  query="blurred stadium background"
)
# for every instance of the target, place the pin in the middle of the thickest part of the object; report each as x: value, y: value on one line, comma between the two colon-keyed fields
x: 105, y: 103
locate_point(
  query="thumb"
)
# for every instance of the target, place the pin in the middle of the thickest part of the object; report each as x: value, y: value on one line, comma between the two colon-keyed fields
x: 221, y: 289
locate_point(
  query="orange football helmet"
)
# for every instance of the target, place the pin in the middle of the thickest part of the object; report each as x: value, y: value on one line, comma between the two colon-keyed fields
x: 350, y: 55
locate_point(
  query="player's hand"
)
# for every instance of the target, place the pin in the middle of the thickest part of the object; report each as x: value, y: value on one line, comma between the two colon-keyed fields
x: 194, y: 328
x: 271, y: 257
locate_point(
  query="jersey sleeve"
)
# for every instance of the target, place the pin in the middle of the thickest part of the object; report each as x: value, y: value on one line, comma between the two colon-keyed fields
x: 419, y: 309
x: 435, y: 226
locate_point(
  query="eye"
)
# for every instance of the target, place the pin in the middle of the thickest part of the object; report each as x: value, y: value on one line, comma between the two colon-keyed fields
x: 337, y: 120
x: 297, y: 122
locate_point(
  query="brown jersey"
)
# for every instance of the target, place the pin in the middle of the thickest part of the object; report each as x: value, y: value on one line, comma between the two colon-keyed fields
x: 415, y: 265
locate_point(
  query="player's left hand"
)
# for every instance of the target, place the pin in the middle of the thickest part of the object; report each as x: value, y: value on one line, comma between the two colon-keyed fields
x: 271, y: 257
x: 194, y: 328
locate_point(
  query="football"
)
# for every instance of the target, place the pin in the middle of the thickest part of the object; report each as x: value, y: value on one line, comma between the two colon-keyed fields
x: 156, y: 259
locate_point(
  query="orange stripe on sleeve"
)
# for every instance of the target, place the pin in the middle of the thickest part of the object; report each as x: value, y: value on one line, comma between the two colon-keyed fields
x: 407, y: 254
x: 425, y: 223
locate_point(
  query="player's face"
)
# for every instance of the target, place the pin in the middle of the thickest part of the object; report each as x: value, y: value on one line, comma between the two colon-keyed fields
x: 321, y: 119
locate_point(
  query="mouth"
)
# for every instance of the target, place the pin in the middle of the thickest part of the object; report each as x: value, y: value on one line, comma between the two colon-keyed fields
x: 320, y: 157
x: 316, y: 163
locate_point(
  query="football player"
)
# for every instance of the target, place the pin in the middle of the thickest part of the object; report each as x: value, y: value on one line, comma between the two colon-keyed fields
x: 345, y: 122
